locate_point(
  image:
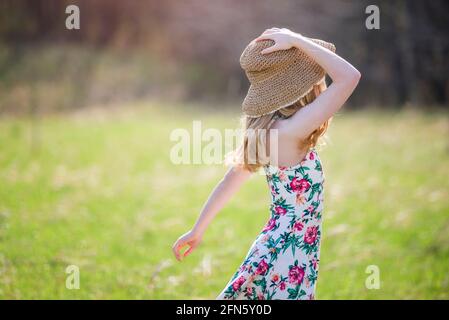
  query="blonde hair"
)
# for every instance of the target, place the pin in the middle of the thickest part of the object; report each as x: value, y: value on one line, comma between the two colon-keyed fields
x: 255, y: 133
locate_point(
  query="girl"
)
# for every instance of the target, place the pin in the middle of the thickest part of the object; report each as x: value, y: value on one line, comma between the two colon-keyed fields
x: 287, y: 96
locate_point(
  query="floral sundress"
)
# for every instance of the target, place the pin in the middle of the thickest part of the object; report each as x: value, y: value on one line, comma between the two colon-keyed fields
x: 282, y: 262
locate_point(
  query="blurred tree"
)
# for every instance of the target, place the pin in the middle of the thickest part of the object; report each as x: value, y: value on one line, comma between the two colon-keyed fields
x: 403, y: 62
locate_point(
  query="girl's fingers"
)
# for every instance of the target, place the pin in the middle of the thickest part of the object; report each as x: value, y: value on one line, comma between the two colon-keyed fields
x: 188, y: 251
x: 176, y: 248
x: 175, y: 251
x: 180, y: 244
x: 192, y: 245
x: 264, y: 37
x: 271, y: 30
x: 270, y: 49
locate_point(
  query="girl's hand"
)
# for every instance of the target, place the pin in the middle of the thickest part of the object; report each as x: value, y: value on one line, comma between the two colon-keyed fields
x: 221, y: 194
x: 191, y: 239
x: 284, y: 39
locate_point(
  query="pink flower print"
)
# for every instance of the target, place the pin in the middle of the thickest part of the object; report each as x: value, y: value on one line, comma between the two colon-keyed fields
x: 298, y: 226
x: 262, y: 268
x: 311, y: 209
x: 280, y: 210
x: 282, y: 176
x: 296, y: 275
x: 275, y: 278
x: 282, y: 168
x: 238, y: 283
x: 311, y: 235
x: 270, y: 225
x: 299, y: 185
x: 314, y: 263
x: 282, y: 285
x: 260, y: 296
x: 311, y: 155
x: 249, y: 291
x: 273, y: 191
x: 265, y: 238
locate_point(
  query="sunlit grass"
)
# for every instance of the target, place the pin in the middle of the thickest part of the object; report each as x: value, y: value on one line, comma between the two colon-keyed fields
x: 97, y: 189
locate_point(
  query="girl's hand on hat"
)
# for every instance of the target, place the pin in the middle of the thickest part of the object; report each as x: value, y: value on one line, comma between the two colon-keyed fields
x: 284, y: 39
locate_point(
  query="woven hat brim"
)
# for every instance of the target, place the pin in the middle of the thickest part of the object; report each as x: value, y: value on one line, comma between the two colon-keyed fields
x: 286, y: 97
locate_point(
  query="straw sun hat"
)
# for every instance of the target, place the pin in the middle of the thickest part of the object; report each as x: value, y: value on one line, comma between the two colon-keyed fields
x: 278, y: 79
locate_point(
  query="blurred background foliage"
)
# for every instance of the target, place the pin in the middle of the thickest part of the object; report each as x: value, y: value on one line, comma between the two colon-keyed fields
x: 189, y: 50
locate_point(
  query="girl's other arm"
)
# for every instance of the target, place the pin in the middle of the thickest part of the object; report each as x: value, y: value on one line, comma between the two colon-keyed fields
x: 221, y: 194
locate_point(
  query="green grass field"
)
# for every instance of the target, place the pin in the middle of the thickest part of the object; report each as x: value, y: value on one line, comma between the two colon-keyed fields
x: 96, y: 189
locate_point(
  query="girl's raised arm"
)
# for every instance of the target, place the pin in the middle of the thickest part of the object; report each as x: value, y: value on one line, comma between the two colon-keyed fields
x: 344, y: 80
x: 221, y: 194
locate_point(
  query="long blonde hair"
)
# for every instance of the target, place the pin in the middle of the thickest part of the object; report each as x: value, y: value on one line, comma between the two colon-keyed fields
x: 255, y: 133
